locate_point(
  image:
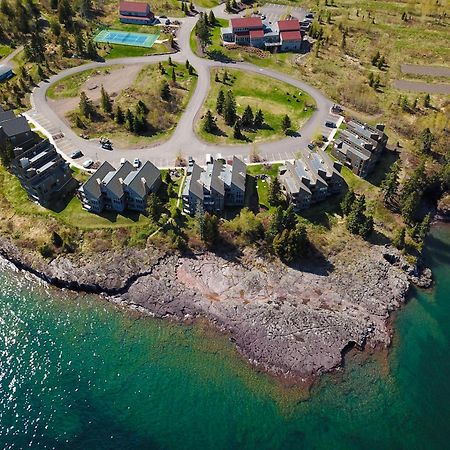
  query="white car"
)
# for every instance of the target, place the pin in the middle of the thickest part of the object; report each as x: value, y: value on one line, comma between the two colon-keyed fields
x: 137, y: 163
x: 88, y: 163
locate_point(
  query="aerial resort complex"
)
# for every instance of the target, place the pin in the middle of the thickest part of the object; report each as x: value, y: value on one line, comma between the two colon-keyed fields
x: 224, y: 224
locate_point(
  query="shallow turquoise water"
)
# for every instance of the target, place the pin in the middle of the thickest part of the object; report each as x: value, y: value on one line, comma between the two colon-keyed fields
x: 76, y: 372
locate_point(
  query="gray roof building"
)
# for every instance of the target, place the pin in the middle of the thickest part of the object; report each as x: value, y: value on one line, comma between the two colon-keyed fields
x: 117, y: 190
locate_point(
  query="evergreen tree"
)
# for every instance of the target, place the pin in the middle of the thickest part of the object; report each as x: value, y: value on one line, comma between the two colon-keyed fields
x: 347, y: 202
x: 389, y: 186
x: 225, y: 77
x: 237, y: 133
x: 427, y: 101
x: 209, y: 125
x: 259, y: 120
x: 105, y: 101
x: 202, y: 31
x: 65, y: 13
x: 409, y: 207
x: 289, y: 218
x: 212, y: 18
x: 220, y: 102
x: 276, y: 223
x: 6, y: 154
x: 228, y: 7
x: 169, y: 61
x: 279, y: 244
x: 91, y: 49
x: 247, y: 117
x: 426, y: 139
x: 216, y: 78
x: 187, y: 64
x: 154, y: 207
x: 229, y: 109
x: 357, y: 221
x: 86, y: 106
x: 129, y: 120
x: 211, y: 228
x: 161, y: 68
x: 141, y: 108
x: 286, y: 123
x: 54, y: 4
x: 119, y: 116
x: 274, y: 192
x: 424, y: 227
x: 200, y: 221
x: 165, y: 91
x: 399, y: 238
x: 174, y: 76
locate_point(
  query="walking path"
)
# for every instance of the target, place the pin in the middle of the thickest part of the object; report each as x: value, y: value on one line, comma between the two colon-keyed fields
x: 184, y: 140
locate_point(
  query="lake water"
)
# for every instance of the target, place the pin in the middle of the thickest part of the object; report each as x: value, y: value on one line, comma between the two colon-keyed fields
x: 77, y: 372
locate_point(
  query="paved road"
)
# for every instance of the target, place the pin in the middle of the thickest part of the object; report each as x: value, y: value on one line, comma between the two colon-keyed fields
x: 422, y: 86
x: 434, y: 71
x: 184, y: 139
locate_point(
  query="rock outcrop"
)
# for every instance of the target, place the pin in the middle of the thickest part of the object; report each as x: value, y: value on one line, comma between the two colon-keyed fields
x: 292, y: 321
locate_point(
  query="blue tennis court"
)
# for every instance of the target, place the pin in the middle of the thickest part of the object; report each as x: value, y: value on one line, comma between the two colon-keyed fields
x: 125, y: 38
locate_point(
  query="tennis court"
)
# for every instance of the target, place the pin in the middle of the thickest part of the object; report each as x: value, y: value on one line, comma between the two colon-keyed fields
x: 125, y: 38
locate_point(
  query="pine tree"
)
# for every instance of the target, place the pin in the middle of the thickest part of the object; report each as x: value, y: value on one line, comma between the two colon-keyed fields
x: 225, y: 77
x: 161, y: 68
x: 169, y: 61
x: 228, y: 7
x: 129, y: 120
x: 289, y: 218
x: 427, y: 101
x: 216, y: 78
x: 399, y: 238
x: 212, y: 18
x: 229, y: 109
x: 174, y: 76
x: 220, y: 102
x: 375, y: 59
x: 389, y: 186
x: 105, y: 101
x: 276, y: 224
x: 91, y: 49
x: 274, y: 193
x: 209, y: 124
x: 154, y: 207
x: 259, y: 120
x: 187, y: 64
x: 119, y: 116
x: 165, y: 91
x: 286, y: 123
x: 237, y: 134
x: 86, y: 106
x: 247, y: 117
x: 347, y: 202
x: 427, y: 140
x: 424, y: 227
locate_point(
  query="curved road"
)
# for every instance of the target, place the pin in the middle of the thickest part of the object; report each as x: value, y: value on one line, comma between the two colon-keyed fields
x: 183, y: 140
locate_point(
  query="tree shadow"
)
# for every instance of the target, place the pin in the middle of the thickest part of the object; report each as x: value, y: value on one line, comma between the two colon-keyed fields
x: 217, y: 55
x: 313, y: 261
x: 292, y: 133
x: 388, y: 157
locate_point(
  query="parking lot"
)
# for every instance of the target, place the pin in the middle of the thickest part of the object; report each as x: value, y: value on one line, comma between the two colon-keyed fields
x: 276, y: 12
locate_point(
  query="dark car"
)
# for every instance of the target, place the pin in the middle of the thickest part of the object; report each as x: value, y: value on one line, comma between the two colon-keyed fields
x: 330, y: 124
x: 311, y: 145
x: 167, y: 22
x: 76, y: 154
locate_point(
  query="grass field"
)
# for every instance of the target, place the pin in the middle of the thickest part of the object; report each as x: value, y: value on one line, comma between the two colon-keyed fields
x: 125, y: 51
x: 162, y: 115
x: 5, y: 50
x: 273, y: 97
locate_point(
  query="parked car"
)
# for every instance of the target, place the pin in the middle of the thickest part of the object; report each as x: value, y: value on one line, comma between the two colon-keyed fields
x: 330, y: 124
x: 88, y: 163
x: 190, y: 161
x: 167, y: 22
x: 107, y: 146
x: 311, y: 145
x: 76, y: 154
x: 122, y: 161
x: 137, y: 163
x: 310, y: 16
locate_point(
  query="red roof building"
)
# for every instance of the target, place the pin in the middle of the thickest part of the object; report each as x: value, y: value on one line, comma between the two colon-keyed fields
x: 289, y: 25
x: 256, y: 34
x: 246, y: 23
x: 138, y: 13
x: 291, y: 36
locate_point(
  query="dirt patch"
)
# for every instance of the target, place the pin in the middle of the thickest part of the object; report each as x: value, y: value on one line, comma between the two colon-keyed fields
x: 420, y: 86
x: 114, y: 82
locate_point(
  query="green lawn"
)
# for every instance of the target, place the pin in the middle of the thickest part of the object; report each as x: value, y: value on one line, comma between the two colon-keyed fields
x: 271, y: 170
x: 126, y: 51
x: 273, y: 97
x: 5, y: 50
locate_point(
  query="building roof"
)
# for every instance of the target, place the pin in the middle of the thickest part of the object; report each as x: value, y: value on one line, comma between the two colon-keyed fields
x: 92, y: 186
x: 114, y: 180
x: 291, y: 36
x: 134, y: 7
x: 293, y: 179
x: 15, y: 126
x: 288, y: 25
x: 6, y: 115
x: 193, y: 185
x: 246, y: 22
x: 135, y: 180
x: 254, y: 34
x: 239, y: 173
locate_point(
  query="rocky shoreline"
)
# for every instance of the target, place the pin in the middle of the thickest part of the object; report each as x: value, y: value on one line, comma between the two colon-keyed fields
x: 292, y: 322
